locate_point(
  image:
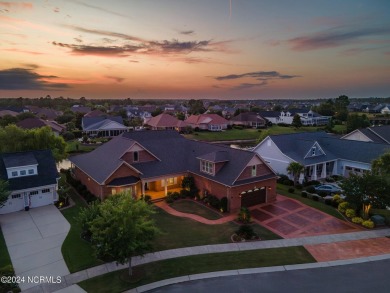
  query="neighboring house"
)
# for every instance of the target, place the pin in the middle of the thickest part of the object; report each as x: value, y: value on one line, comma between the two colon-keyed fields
x: 380, y: 134
x: 322, y: 154
x: 211, y: 122
x: 103, y: 126
x: 155, y: 162
x: 166, y: 122
x: 31, y: 123
x: 32, y: 178
x: 308, y: 117
x: 95, y: 113
x: 248, y: 119
x: 80, y: 109
x: 44, y: 113
x: 8, y: 112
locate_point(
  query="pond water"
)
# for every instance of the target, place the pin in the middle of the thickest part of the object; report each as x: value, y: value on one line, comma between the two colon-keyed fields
x: 64, y: 164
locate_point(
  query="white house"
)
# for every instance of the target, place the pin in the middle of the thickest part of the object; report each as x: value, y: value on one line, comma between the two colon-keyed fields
x: 322, y: 154
x: 32, y: 178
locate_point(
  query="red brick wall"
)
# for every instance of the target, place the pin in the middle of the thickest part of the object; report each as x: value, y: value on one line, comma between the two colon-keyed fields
x: 143, y: 156
x: 91, y: 185
x: 261, y: 169
x: 233, y: 193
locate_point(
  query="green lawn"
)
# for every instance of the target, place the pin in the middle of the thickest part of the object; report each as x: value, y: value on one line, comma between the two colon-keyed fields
x: 191, y: 207
x: 342, y: 129
x: 243, y: 134
x: 118, y: 281
x: 181, y: 232
x: 78, y: 253
x: 5, y: 259
x: 74, y: 146
x: 282, y: 189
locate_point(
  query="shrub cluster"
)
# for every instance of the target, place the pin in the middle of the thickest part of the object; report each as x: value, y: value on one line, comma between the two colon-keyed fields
x: 212, y: 201
x: 80, y: 188
x: 357, y: 220
x: 246, y: 232
x: 343, y: 207
x: 244, y: 215
x: 368, y: 224
x: 291, y: 190
x: 8, y: 271
x: 350, y: 213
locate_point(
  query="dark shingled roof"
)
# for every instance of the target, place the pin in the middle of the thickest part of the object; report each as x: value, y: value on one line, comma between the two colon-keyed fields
x: 175, y: 153
x: 215, y: 157
x: 47, y: 170
x: 89, y: 121
x: 123, y: 181
x: 19, y: 159
x: 297, y: 145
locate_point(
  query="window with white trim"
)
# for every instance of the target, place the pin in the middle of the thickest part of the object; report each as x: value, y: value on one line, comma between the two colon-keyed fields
x: 16, y: 196
x: 30, y: 171
x: 46, y: 190
x: 14, y: 173
x: 207, y: 167
x: 313, y: 151
x: 23, y: 172
x: 35, y: 192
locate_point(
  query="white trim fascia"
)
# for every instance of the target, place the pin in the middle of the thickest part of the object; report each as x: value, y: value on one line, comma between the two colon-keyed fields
x: 32, y: 188
x: 377, y: 135
x: 140, y: 145
x: 316, y: 144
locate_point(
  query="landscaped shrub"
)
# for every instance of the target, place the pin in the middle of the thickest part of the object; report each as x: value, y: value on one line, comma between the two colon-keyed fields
x: 288, y: 182
x: 328, y: 201
x: 244, y: 215
x: 357, y: 220
x: 147, y: 198
x: 312, y: 182
x: 175, y: 195
x: 224, y: 204
x: 291, y: 190
x: 169, y: 198
x: 240, y: 127
x: 315, y: 197
x: 329, y: 179
x: 350, y: 213
x: 304, y: 194
x: 282, y: 178
x: 337, y: 198
x: 322, y: 193
x: 246, y: 232
x: 185, y: 193
x: 368, y: 224
x: 343, y: 207
x: 310, y: 189
x: 298, y: 186
x: 7, y: 271
x: 214, y: 201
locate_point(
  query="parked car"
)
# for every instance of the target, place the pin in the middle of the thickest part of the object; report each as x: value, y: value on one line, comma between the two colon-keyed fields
x: 330, y: 188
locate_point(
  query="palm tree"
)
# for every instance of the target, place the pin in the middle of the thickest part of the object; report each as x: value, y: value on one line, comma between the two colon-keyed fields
x: 295, y: 169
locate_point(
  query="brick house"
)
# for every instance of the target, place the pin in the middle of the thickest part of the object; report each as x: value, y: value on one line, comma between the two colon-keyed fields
x: 155, y: 162
x: 211, y: 122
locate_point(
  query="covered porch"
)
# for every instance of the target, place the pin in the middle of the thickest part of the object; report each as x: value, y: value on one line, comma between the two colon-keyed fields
x: 319, y: 171
x: 159, y: 187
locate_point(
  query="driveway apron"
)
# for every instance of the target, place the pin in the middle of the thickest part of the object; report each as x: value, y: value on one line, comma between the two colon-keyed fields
x: 34, y: 239
x: 290, y: 218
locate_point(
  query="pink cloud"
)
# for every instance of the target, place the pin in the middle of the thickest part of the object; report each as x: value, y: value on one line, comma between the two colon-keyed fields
x: 16, y: 5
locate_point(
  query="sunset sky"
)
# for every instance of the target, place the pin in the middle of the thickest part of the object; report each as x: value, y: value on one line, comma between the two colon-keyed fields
x: 252, y: 49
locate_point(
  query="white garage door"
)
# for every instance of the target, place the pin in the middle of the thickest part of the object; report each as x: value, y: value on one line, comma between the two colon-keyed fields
x: 15, y: 203
x: 40, y: 199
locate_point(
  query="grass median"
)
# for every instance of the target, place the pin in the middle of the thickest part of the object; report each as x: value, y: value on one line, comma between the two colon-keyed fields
x: 144, y: 274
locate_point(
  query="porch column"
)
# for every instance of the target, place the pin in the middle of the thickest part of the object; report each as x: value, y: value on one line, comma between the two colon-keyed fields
x: 143, y: 187
x: 301, y: 178
x: 323, y: 173
x: 166, y: 186
x: 334, y: 172
x: 314, y: 173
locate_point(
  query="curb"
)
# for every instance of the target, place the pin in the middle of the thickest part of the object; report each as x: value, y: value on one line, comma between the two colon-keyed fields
x: 260, y: 270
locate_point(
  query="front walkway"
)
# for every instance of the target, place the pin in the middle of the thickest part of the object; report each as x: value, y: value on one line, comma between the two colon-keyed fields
x: 34, y: 241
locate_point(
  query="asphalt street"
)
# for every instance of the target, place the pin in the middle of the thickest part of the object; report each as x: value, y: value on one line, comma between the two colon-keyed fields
x: 364, y: 277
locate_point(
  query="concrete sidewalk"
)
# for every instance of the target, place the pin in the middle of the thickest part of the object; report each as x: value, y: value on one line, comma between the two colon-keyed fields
x: 74, y: 278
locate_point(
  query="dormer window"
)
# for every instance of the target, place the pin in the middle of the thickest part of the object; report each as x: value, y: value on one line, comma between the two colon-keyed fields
x: 207, y: 167
x: 135, y: 156
x: 23, y: 173
x: 313, y: 151
x: 14, y: 173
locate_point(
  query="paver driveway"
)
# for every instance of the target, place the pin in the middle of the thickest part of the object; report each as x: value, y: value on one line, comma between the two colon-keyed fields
x: 34, y: 241
x: 289, y: 218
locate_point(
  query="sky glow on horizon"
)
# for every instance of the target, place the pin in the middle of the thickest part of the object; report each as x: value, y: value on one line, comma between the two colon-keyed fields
x: 226, y: 49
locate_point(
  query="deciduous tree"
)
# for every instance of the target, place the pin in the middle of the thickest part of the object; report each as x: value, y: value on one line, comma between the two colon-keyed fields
x: 4, y: 192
